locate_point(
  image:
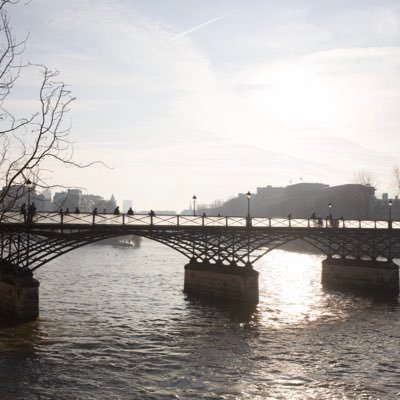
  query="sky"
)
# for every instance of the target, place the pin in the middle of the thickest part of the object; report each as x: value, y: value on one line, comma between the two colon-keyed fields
x: 217, y: 97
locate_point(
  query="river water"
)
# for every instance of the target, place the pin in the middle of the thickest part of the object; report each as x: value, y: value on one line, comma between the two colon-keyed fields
x: 114, y: 324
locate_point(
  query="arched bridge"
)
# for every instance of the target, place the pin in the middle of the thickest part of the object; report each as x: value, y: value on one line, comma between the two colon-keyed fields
x: 219, y: 240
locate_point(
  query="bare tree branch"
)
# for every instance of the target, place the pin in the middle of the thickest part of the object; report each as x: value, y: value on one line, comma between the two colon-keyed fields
x: 364, y: 177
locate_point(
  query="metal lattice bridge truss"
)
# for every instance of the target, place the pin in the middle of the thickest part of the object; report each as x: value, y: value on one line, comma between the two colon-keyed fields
x: 228, y: 240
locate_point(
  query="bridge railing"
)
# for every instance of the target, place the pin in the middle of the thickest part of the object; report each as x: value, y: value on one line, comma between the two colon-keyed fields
x: 365, y: 224
x: 261, y: 222
x: 374, y: 224
x: 190, y: 220
x: 84, y: 219
x: 108, y: 219
x: 12, y: 217
x: 15, y: 217
x: 236, y: 221
x: 137, y: 219
x: 281, y: 222
x: 57, y: 218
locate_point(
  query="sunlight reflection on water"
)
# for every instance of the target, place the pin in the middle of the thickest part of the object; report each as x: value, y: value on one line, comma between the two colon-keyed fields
x: 290, y: 282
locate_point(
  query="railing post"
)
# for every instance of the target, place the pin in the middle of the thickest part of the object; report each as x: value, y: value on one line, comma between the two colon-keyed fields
x: 177, y: 220
x: 308, y: 223
x: 151, y: 219
x: 269, y: 222
x: 94, y: 219
x: 123, y: 219
x: 202, y: 220
x: 359, y: 224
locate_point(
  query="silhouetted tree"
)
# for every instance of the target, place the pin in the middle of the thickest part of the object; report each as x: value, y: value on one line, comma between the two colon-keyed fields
x: 366, y: 194
x: 364, y: 177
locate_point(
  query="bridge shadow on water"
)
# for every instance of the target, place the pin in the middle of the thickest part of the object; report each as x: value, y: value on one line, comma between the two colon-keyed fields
x: 375, y: 296
x: 234, y: 311
x: 6, y: 323
x: 29, y: 328
x: 248, y: 314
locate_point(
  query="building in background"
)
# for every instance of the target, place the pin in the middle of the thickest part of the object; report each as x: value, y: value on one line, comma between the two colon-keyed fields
x: 125, y: 205
x: 47, y: 194
x: 301, y: 200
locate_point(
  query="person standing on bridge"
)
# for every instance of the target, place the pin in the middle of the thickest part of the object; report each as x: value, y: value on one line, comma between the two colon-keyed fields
x: 313, y: 218
x: 130, y: 211
x: 23, y: 211
x: 31, y: 212
x: 152, y: 214
x: 116, y: 211
x: 77, y: 210
x: 327, y: 221
x: 94, y: 211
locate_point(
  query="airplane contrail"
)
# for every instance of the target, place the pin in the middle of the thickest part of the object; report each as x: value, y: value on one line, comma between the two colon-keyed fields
x: 197, y: 27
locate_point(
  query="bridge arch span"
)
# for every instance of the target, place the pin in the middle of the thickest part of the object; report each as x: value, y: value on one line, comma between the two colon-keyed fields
x: 31, y: 246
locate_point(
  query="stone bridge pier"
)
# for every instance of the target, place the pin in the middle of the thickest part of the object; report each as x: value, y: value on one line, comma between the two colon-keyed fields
x: 19, y: 297
x: 364, y: 275
x: 218, y: 281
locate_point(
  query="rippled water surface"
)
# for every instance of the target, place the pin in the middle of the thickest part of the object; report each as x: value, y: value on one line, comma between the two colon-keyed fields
x: 114, y: 324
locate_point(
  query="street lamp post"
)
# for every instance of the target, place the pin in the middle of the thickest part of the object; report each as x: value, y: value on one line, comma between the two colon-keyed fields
x: 28, y: 183
x: 194, y: 205
x: 390, y: 203
x: 330, y: 215
x: 248, y: 194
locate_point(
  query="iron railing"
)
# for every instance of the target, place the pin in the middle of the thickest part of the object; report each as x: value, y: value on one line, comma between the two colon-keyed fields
x: 188, y: 220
